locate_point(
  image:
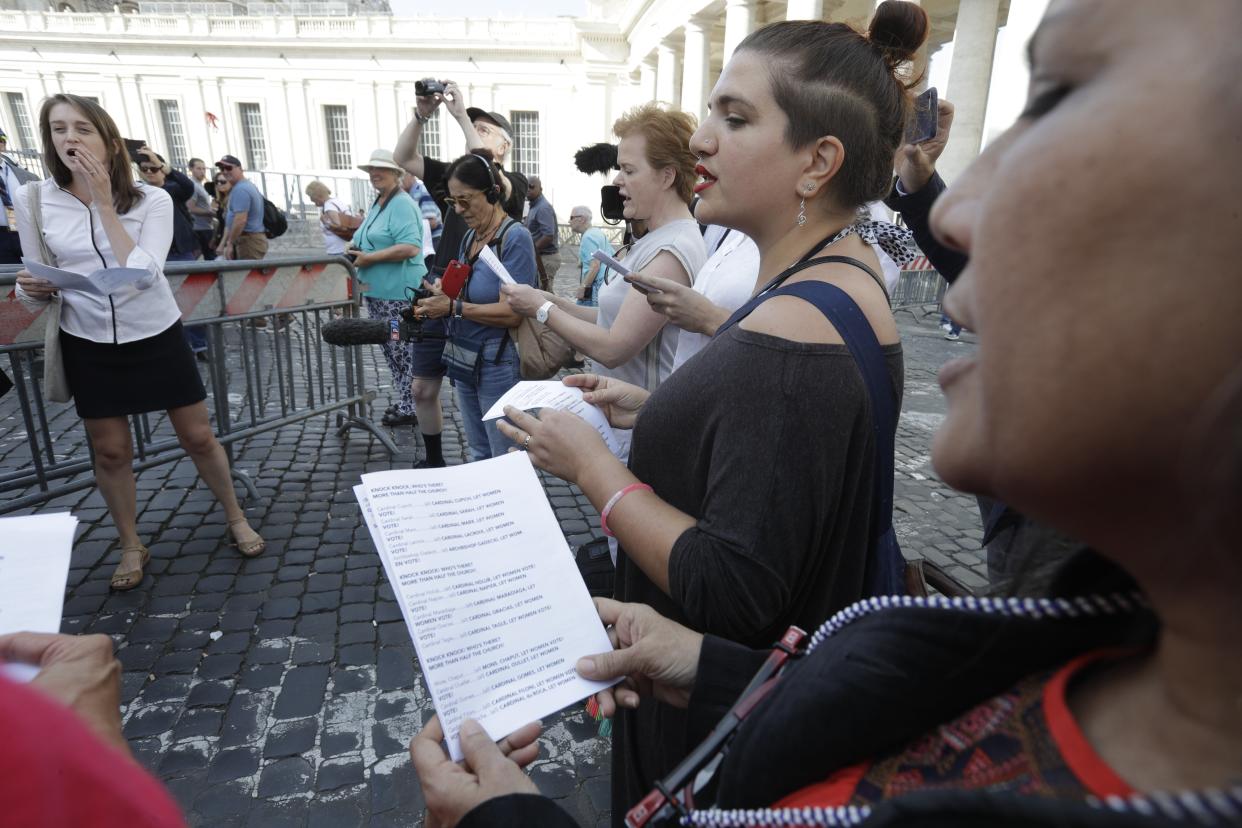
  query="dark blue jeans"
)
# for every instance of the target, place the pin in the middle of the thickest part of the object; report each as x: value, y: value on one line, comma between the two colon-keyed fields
x: 475, y: 398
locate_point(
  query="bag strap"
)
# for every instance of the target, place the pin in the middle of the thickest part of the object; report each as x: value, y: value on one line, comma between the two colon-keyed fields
x: 505, y: 226
x: 35, y: 190
x: 768, y: 289
x: 851, y: 323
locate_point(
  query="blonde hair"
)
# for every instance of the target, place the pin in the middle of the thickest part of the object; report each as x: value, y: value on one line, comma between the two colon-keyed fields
x: 668, y: 134
x: 317, y: 188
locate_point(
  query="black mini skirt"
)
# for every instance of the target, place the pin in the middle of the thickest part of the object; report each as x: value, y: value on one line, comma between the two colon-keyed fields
x: 153, y: 374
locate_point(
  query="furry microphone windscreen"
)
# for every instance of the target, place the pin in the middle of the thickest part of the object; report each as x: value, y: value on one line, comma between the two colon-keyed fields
x: 596, y: 158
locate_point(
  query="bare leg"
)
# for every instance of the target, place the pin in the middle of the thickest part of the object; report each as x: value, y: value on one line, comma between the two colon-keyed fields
x: 114, y: 472
x: 193, y: 427
x: 427, y: 404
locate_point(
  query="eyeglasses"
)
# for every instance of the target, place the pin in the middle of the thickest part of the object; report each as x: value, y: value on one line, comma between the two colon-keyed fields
x: 462, y: 201
x: 221, y: 182
x: 225, y: 167
x: 149, y: 170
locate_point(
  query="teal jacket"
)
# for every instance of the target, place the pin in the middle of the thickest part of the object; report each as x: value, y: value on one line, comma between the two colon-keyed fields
x: 399, y: 222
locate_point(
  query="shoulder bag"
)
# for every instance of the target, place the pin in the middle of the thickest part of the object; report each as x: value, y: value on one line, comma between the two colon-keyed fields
x: 541, y: 351
x: 55, y: 382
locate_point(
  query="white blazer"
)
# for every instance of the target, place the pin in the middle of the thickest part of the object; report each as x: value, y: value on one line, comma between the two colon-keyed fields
x: 75, y: 234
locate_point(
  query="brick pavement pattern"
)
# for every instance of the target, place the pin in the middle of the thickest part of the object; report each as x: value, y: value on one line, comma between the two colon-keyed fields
x: 283, y: 690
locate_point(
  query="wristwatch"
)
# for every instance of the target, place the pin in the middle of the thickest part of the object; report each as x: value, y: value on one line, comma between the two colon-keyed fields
x: 421, y: 118
x: 541, y: 315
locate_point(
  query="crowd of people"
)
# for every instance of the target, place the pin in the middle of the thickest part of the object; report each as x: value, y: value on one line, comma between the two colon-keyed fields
x: 753, y: 371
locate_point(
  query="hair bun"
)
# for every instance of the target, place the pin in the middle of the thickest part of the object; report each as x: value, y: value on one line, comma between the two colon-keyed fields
x: 897, y: 30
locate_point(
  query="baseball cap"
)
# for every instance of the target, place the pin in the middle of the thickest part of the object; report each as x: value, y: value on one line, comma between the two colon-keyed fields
x: 3, y: 134
x: 229, y: 160
x: 495, y: 117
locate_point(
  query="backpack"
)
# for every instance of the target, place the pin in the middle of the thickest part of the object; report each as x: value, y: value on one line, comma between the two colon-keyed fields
x: 274, y: 221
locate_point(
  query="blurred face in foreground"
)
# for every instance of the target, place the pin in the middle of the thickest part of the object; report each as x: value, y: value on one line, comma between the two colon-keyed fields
x: 1103, y: 235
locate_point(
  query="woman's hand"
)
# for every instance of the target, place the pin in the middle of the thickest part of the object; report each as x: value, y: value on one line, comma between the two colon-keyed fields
x: 560, y: 443
x: 489, y: 770
x: 434, y: 307
x: 620, y: 401
x: 359, y: 258
x: 684, y: 306
x: 96, y: 175
x: 79, y: 671
x: 34, y: 287
x: 524, y: 299
x: 657, y: 657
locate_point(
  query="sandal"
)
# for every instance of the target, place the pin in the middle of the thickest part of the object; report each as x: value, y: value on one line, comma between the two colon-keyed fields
x: 250, y: 548
x: 124, y: 579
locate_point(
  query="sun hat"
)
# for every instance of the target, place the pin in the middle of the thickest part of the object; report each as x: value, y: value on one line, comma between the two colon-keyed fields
x: 381, y: 158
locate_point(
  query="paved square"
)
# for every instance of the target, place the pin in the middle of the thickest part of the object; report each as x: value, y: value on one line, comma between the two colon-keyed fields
x: 284, y: 690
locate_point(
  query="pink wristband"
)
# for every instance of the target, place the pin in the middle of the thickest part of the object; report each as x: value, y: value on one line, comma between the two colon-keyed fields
x: 612, y: 501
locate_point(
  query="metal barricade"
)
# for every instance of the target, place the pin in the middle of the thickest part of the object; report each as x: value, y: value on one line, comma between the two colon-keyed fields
x: 920, y: 289
x: 268, y: 367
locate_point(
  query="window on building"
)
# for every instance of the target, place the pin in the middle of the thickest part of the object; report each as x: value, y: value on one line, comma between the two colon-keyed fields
x: 525, y: 142
x: 252, y: 135
x: 21, y: 120
x: 336, y: 118
x: 174, y: 134
x: 429, y: 144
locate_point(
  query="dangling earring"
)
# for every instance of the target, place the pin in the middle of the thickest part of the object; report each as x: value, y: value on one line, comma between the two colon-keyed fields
x: 802, y: 213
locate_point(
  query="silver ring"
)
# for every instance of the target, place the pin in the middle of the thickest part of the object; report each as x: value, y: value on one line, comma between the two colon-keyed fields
x: 526, y: 443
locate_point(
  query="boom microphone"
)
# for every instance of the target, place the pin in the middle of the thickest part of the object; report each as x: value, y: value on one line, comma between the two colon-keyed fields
x: 596, y: 158
x: 356, y: 331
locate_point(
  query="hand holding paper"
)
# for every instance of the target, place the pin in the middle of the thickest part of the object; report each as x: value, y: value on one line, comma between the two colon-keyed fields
x: 34, y: 565
x: 102, y: 282
x: 531, y: 394
x: 497, y: 610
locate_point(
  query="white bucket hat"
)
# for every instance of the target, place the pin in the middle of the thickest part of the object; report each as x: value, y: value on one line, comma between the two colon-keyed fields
x: 381, y: 158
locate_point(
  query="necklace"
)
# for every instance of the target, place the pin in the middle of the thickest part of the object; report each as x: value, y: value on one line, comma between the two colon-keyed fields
x: 1207, y: 807
x: 481, y: 240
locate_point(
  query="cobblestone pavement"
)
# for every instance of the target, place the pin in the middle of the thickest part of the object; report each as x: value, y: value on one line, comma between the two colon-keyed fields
x: 283, y: 690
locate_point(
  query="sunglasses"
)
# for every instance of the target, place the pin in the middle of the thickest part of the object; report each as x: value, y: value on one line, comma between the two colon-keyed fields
x: 149, y: 170
x: 461, y: 200
x: 225, y: 167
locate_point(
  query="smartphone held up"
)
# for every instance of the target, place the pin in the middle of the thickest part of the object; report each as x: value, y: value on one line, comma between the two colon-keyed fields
x: 923, y: 123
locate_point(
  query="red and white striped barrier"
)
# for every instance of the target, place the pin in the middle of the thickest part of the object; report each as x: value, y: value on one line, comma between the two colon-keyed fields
x: 199, y: 297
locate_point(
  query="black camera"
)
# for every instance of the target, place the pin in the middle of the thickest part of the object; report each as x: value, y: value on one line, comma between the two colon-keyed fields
x: 612, y: 206
x: 410, y: 327
x: 427, y: 86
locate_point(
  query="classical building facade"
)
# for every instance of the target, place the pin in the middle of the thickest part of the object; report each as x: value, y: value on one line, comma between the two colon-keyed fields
x: 290, y: 91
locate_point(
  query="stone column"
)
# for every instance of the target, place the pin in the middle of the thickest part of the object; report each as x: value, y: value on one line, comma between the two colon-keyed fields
x: 739, y: 22
x: 805, y: 10
x: 970, y: 76
x: 647, y: 80
x: 695, y: 72
x: 667, y: 68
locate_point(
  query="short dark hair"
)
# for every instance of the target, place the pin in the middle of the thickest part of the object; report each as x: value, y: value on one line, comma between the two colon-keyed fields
x: 831, y: 79
x: 479, y: 176
x: 194, y: 161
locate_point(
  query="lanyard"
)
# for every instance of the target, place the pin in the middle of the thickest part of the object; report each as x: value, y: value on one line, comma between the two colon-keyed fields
x: 675, y: 792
